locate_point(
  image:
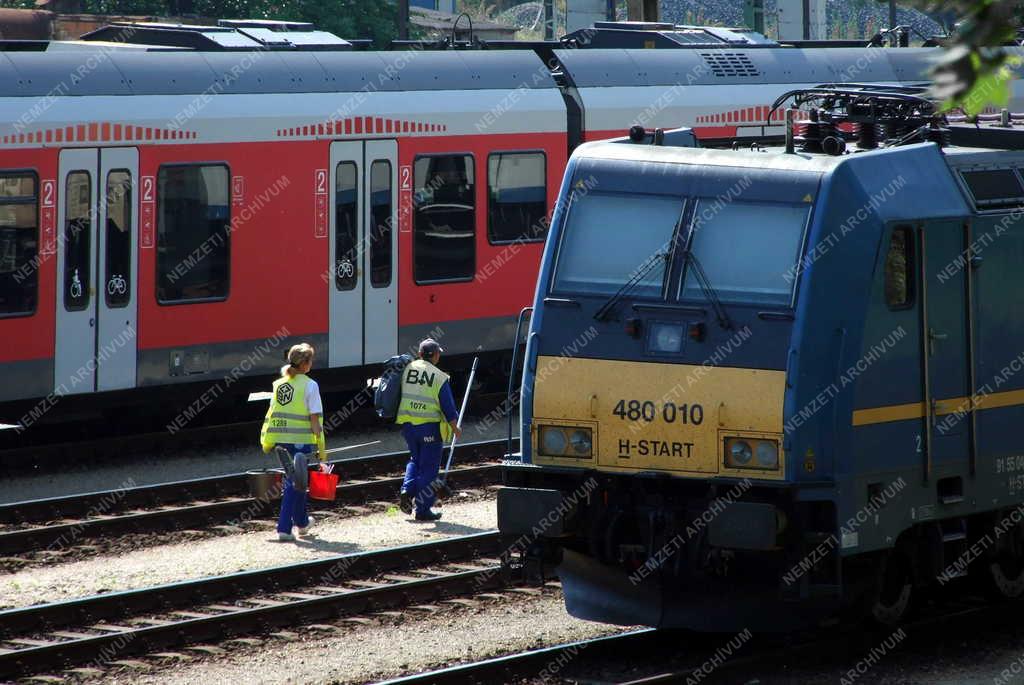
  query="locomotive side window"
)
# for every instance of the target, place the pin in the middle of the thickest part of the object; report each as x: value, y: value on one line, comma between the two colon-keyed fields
x: 346, y: 226
x: 747, y: 250
x: 516, y: 196
x: 994, y: 188
x: 19, y: 243
x: 118, y: 199
x: 193, y: 236
x: 899, y: 275
x: 381, y: 224
x: 444, y: 218
x: 610, y: 238
x: 77, y: 240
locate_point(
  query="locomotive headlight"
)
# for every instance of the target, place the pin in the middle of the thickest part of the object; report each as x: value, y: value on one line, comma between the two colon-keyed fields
x: 767, y: 454
x: 739, y: 453
x: 573, y: 442
x: 582, y: 442
x: 552, y: 441
x: 752, y: 453
x: 665, y: 338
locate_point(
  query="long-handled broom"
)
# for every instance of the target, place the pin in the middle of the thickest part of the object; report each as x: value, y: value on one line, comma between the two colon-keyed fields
x: 441, y: 488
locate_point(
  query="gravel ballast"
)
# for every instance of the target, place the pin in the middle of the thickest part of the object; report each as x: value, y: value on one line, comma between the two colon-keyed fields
x: 374, y: 652
x: 245, y: 551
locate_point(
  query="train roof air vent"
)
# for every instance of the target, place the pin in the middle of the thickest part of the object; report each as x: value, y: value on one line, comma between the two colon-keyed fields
x: 730, y: 64
x: 994, y: 188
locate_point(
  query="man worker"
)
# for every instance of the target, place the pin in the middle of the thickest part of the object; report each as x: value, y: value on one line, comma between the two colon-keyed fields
x: 428, y: 418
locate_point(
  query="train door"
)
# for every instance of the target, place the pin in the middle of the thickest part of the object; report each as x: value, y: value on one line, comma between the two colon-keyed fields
x: 380, y: 258
x: 363, y: 252
x: 945, y: 326
x: 97, y: 246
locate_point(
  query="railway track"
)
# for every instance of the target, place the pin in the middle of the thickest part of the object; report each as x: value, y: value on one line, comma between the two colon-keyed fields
x: 64, y: 521
x: 100, y: 629
x: 652, y: 657
x: 532, y: 663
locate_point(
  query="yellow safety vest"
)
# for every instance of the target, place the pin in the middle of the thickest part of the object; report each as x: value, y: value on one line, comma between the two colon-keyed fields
x: 421, y: 393
x: 287, y: 419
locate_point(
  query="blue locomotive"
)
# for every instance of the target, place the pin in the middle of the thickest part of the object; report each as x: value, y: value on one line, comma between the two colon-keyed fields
x: 770, y: 385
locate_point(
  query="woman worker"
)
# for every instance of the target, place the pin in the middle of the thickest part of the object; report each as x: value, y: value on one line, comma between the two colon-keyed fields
x: 292, y: 425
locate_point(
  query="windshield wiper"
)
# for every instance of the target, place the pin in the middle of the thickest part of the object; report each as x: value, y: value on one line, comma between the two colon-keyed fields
x: 707, y: 289
x: 646, y: 268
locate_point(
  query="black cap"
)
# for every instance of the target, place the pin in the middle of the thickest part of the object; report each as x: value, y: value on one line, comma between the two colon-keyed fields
x: 429, y: 346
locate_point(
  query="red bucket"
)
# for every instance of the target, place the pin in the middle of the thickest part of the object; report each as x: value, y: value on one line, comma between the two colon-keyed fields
x: 323, y: 485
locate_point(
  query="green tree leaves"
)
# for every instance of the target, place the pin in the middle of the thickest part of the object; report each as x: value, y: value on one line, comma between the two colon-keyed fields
x: 975, y: 72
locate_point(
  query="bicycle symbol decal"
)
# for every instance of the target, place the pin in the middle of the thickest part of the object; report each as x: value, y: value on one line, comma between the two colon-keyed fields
x: 346, y: 269
x: 117, y: 285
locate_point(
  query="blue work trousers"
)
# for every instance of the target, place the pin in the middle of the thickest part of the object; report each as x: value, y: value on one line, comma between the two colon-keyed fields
x: 425, y: 451
x: 296, y: 486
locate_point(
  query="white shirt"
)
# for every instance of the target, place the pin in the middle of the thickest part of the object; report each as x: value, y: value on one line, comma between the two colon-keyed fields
x: 313, y: 403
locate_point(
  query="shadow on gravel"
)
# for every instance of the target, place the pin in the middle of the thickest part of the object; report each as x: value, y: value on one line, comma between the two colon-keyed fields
x: 329, y: 546
x: 449, y: 527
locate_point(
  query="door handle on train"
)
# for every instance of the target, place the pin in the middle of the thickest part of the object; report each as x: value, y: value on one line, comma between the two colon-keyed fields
x: 932, y: 337
x: 593, y: 406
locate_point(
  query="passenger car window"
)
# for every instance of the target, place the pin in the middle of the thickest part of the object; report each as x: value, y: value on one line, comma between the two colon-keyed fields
x: 118, y: 276
x: 382, y: 221
x: 444, y: 218
x: 346, y: 226
x: 899, y: 278
x: 19, y: 243
x: 77, y: 240
x: 193, y: 237
x: 516, y: 197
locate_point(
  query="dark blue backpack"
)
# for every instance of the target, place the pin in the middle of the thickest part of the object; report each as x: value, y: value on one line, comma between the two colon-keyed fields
x: 388, y: 395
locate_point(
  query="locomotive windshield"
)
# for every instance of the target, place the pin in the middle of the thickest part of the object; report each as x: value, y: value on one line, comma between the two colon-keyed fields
x: 609, y: 237
x: 748, y: 250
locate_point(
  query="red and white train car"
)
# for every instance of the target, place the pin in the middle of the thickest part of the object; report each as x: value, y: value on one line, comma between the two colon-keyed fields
x: 171, y: 217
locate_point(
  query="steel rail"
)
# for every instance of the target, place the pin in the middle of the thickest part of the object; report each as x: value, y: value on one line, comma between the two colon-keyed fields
x: 36, y: 638
x: 202, y: 513
x: 530, y: 663
x: 229, y: 485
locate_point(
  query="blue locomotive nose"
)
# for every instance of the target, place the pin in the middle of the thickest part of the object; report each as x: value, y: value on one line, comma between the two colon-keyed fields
x: 763, y: 386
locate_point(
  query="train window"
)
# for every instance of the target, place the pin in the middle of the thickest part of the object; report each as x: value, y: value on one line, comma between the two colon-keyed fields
x: 77, y: 240
x: 118, y: 199
x: 444, y: 218
x: 346, y: 226
x: 381, y: 222
x: 193, y: 256
x: 994, y: 188
x: 899, y: 279
x: 516, y: 197
x: 608, y: 237
x: 747, y: 249
x: 19, y: 243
